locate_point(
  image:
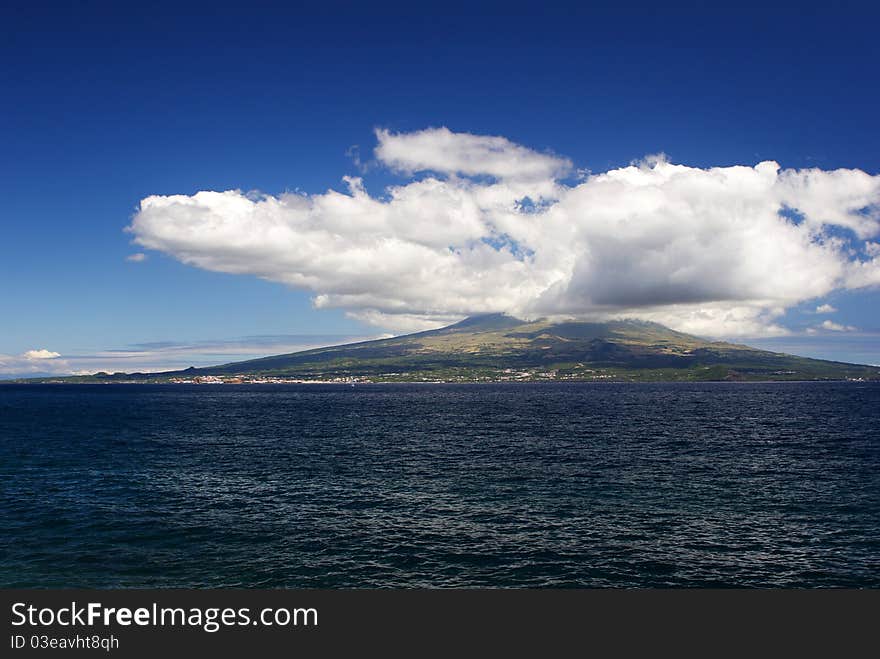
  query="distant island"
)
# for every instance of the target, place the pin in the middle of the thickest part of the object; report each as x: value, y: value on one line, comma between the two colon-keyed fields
x: 500, y: 348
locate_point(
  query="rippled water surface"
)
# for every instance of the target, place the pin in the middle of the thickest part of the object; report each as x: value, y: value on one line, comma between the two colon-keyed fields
x: 440, y: 485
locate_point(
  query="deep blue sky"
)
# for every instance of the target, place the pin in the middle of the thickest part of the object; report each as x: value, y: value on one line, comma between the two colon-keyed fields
x: 106, y: 103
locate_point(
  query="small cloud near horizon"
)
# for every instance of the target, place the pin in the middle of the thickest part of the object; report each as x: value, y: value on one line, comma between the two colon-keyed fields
x: 41, y: 354
x: 831, y: 326
x: 837, y: 327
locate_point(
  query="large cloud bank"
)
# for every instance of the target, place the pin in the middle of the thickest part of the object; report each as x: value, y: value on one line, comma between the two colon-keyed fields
x: 486, y: 225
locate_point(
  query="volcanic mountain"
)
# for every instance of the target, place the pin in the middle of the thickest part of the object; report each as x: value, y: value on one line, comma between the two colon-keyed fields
x: 500, y: 347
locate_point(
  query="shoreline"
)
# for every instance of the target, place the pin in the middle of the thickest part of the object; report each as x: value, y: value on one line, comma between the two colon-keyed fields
x: 436, y: 382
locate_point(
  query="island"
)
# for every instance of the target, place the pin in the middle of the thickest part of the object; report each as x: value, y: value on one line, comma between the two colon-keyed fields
x: 501, y: 348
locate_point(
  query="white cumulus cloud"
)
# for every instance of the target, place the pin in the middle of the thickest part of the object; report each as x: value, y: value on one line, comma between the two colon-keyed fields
x: 41, y: 354
x: 490, y: 226
x: 825, y: 308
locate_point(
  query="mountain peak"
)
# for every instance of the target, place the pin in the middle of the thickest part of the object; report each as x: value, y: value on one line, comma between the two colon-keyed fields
x: 485, y: 322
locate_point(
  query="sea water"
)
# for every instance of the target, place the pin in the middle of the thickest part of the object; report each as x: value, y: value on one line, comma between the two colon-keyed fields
x: 508, y: 485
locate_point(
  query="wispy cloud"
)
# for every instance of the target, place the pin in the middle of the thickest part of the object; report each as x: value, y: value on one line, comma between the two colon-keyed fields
x: 138, y: 257
x: 442, y: 151
x: 831, y: 326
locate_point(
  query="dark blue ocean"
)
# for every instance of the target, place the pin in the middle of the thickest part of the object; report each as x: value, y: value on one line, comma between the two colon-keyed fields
x: 527, y: 485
